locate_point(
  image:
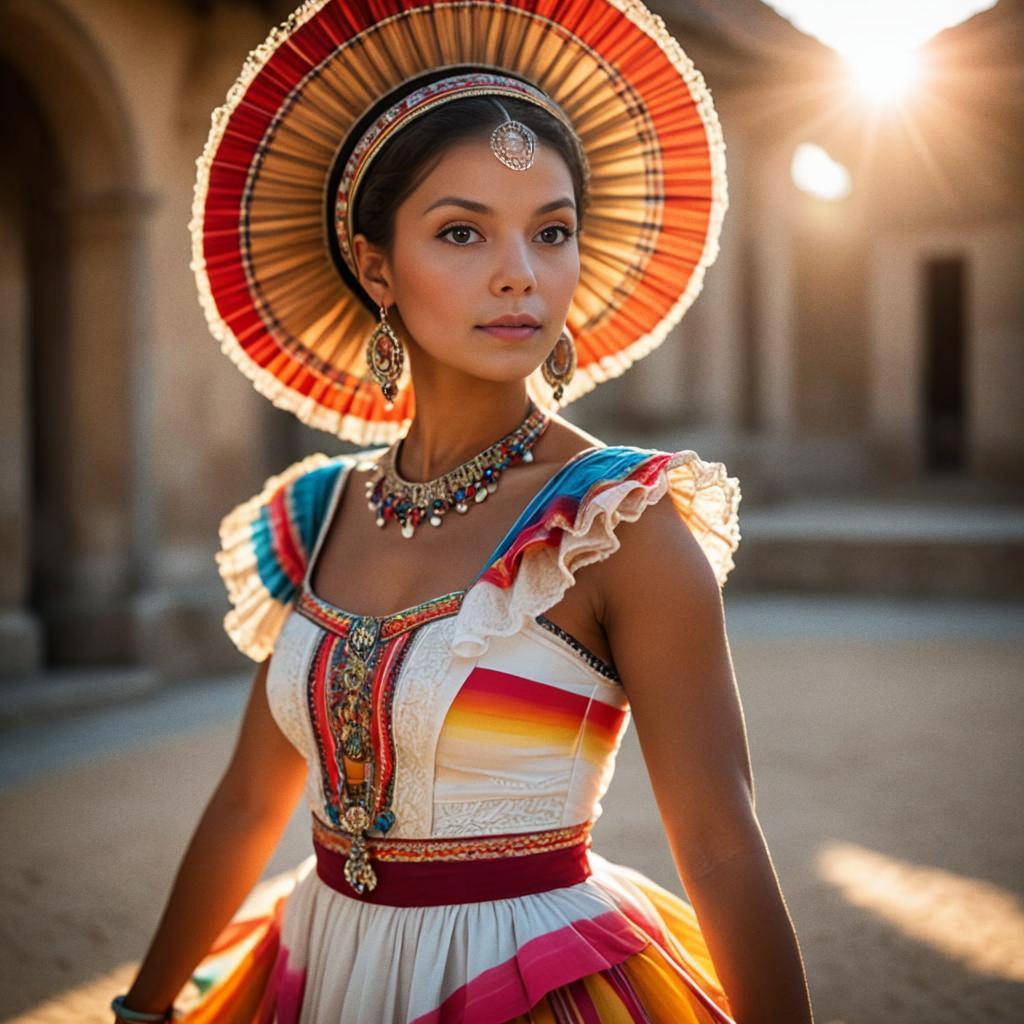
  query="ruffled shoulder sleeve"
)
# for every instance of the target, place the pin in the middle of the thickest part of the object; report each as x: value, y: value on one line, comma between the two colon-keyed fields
x: 572, y: 522
x: 266, y: 544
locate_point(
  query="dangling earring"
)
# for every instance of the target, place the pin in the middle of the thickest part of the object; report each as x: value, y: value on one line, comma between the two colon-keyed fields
x: 560, y: 365
x: 385, y: 356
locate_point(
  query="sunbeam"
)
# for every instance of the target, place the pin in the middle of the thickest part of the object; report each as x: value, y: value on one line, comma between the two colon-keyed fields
x: 974, y: 922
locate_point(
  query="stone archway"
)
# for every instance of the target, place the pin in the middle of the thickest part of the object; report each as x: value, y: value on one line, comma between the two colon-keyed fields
x: 70, y: 211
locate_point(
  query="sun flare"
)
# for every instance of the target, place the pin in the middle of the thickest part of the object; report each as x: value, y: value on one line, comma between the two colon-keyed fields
x: 816, y: 173
x: 884, y: 74
x: 879, y: 40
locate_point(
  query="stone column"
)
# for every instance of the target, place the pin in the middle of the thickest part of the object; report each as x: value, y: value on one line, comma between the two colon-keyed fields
x: 20, y: 634
x: 774, y: 298
x: 94, y: 569
x: 995, y: 355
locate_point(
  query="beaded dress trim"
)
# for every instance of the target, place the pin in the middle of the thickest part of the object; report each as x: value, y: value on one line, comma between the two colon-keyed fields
x: 598, y: 664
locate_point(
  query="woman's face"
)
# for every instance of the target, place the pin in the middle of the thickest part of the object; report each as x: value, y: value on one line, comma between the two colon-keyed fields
x: 477, y: 241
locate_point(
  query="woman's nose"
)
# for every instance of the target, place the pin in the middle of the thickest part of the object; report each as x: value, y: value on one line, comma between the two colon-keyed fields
x: 514, y: 272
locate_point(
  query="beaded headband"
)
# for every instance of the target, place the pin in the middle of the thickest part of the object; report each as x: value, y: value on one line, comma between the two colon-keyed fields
x: 512, y: 142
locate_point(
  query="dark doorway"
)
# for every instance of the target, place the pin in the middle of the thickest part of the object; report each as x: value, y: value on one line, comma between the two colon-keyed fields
x: 945, y: 363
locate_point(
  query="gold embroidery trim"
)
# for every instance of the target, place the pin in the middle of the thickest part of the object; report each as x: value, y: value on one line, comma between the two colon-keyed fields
x: 463, y: 848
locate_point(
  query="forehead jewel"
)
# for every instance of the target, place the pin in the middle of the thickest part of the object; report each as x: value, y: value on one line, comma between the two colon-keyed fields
x: 513, y: 143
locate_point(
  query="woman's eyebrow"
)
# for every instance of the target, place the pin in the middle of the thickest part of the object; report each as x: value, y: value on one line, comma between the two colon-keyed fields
x: 470, y: 204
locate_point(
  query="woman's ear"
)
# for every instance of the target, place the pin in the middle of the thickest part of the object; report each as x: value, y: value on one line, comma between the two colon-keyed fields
x: 374, y: 271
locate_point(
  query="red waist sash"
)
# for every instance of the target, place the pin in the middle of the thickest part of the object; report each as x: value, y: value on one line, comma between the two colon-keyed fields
x: 474, y: 869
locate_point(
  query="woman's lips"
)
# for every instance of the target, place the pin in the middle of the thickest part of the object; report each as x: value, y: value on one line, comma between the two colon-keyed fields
x: 511, y: 333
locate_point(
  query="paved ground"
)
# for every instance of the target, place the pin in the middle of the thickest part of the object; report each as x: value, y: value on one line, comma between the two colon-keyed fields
x: 886, y: 744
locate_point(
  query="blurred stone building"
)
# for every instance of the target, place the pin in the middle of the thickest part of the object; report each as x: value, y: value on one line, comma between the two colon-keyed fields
x: 868, y: 346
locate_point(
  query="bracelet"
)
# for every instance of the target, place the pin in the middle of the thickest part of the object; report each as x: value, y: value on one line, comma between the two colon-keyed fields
x: 138, y: 1016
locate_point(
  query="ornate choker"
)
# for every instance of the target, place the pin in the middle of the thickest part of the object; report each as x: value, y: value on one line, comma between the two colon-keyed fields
x: 390, y: 497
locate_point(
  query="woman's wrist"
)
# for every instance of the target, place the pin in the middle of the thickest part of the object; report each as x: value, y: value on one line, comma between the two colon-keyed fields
x: 126, y: 1014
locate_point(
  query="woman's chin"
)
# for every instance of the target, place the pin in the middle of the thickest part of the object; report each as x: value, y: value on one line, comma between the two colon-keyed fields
x: 496, y: 366
x: 502, y: 375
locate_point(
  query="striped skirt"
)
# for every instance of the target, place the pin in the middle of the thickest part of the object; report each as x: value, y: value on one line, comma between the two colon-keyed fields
x: 612, y: 947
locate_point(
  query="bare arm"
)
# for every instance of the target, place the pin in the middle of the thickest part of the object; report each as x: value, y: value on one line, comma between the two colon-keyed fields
x: 238, y: 831
x: 664, y: 620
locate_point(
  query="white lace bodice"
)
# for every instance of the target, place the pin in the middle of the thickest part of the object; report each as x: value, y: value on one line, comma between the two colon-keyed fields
x: 520, y: 739
x: 481, y: 716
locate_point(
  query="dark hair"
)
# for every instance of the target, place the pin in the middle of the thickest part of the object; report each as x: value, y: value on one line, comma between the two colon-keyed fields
x: 416, y: 150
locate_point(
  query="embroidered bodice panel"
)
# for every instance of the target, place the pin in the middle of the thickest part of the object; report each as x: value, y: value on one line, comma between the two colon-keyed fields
x: 519, y: 739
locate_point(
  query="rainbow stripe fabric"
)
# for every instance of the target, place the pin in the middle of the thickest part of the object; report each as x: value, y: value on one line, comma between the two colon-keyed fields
x: 268, y: 541
x: 286, y: 528
x: 554, y: 508
x: 515, y: 712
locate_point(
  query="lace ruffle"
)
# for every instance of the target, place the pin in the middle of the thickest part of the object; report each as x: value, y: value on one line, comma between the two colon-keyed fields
x: 266, y: 543
x: 543, y: 566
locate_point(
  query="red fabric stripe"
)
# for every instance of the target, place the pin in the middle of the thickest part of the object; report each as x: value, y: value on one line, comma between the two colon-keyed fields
x: 504, y: 684
x: 436, y: 883
x: 583, y: 1003
x: 617, y: 978
x: 383, y: 685
x: 605, y: 717
x: 322, y: 727
x: 289, y: 555
x: 562, y: 513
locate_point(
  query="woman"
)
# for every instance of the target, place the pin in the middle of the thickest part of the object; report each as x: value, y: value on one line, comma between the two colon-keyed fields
x: 453, y: 630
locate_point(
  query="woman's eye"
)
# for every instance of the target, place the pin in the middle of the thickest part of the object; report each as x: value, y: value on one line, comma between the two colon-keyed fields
x: 458, y: 233
x: 557, y: 227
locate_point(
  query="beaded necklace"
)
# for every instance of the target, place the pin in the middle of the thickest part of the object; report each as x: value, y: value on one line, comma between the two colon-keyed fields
x: 391, y: 497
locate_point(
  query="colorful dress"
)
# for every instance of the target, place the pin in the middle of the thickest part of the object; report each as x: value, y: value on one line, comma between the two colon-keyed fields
x: 475, y: 740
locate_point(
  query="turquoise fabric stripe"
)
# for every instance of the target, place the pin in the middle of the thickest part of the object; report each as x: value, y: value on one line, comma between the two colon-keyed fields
x: 307, y: 500
x: 309, y: 497
x: 573, y: 481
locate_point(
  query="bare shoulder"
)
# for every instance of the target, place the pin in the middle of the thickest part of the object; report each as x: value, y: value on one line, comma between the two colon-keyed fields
x: 660, y: 567
x: 562, y: 440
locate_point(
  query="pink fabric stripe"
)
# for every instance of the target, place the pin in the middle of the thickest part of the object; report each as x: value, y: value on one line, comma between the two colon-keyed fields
x: 540, y: 965
x: 265, y: 1013
x: 282, y: 999
x: 633, y: 904
x: 583, y: 1003
x: 561, y: 1009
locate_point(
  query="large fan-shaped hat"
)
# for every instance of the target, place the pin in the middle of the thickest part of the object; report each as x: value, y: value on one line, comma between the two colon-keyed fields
x: 274, y: 286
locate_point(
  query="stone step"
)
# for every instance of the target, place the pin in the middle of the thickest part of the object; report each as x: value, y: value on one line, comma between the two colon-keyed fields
x: 55, y: 693
x: 898, y: 548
